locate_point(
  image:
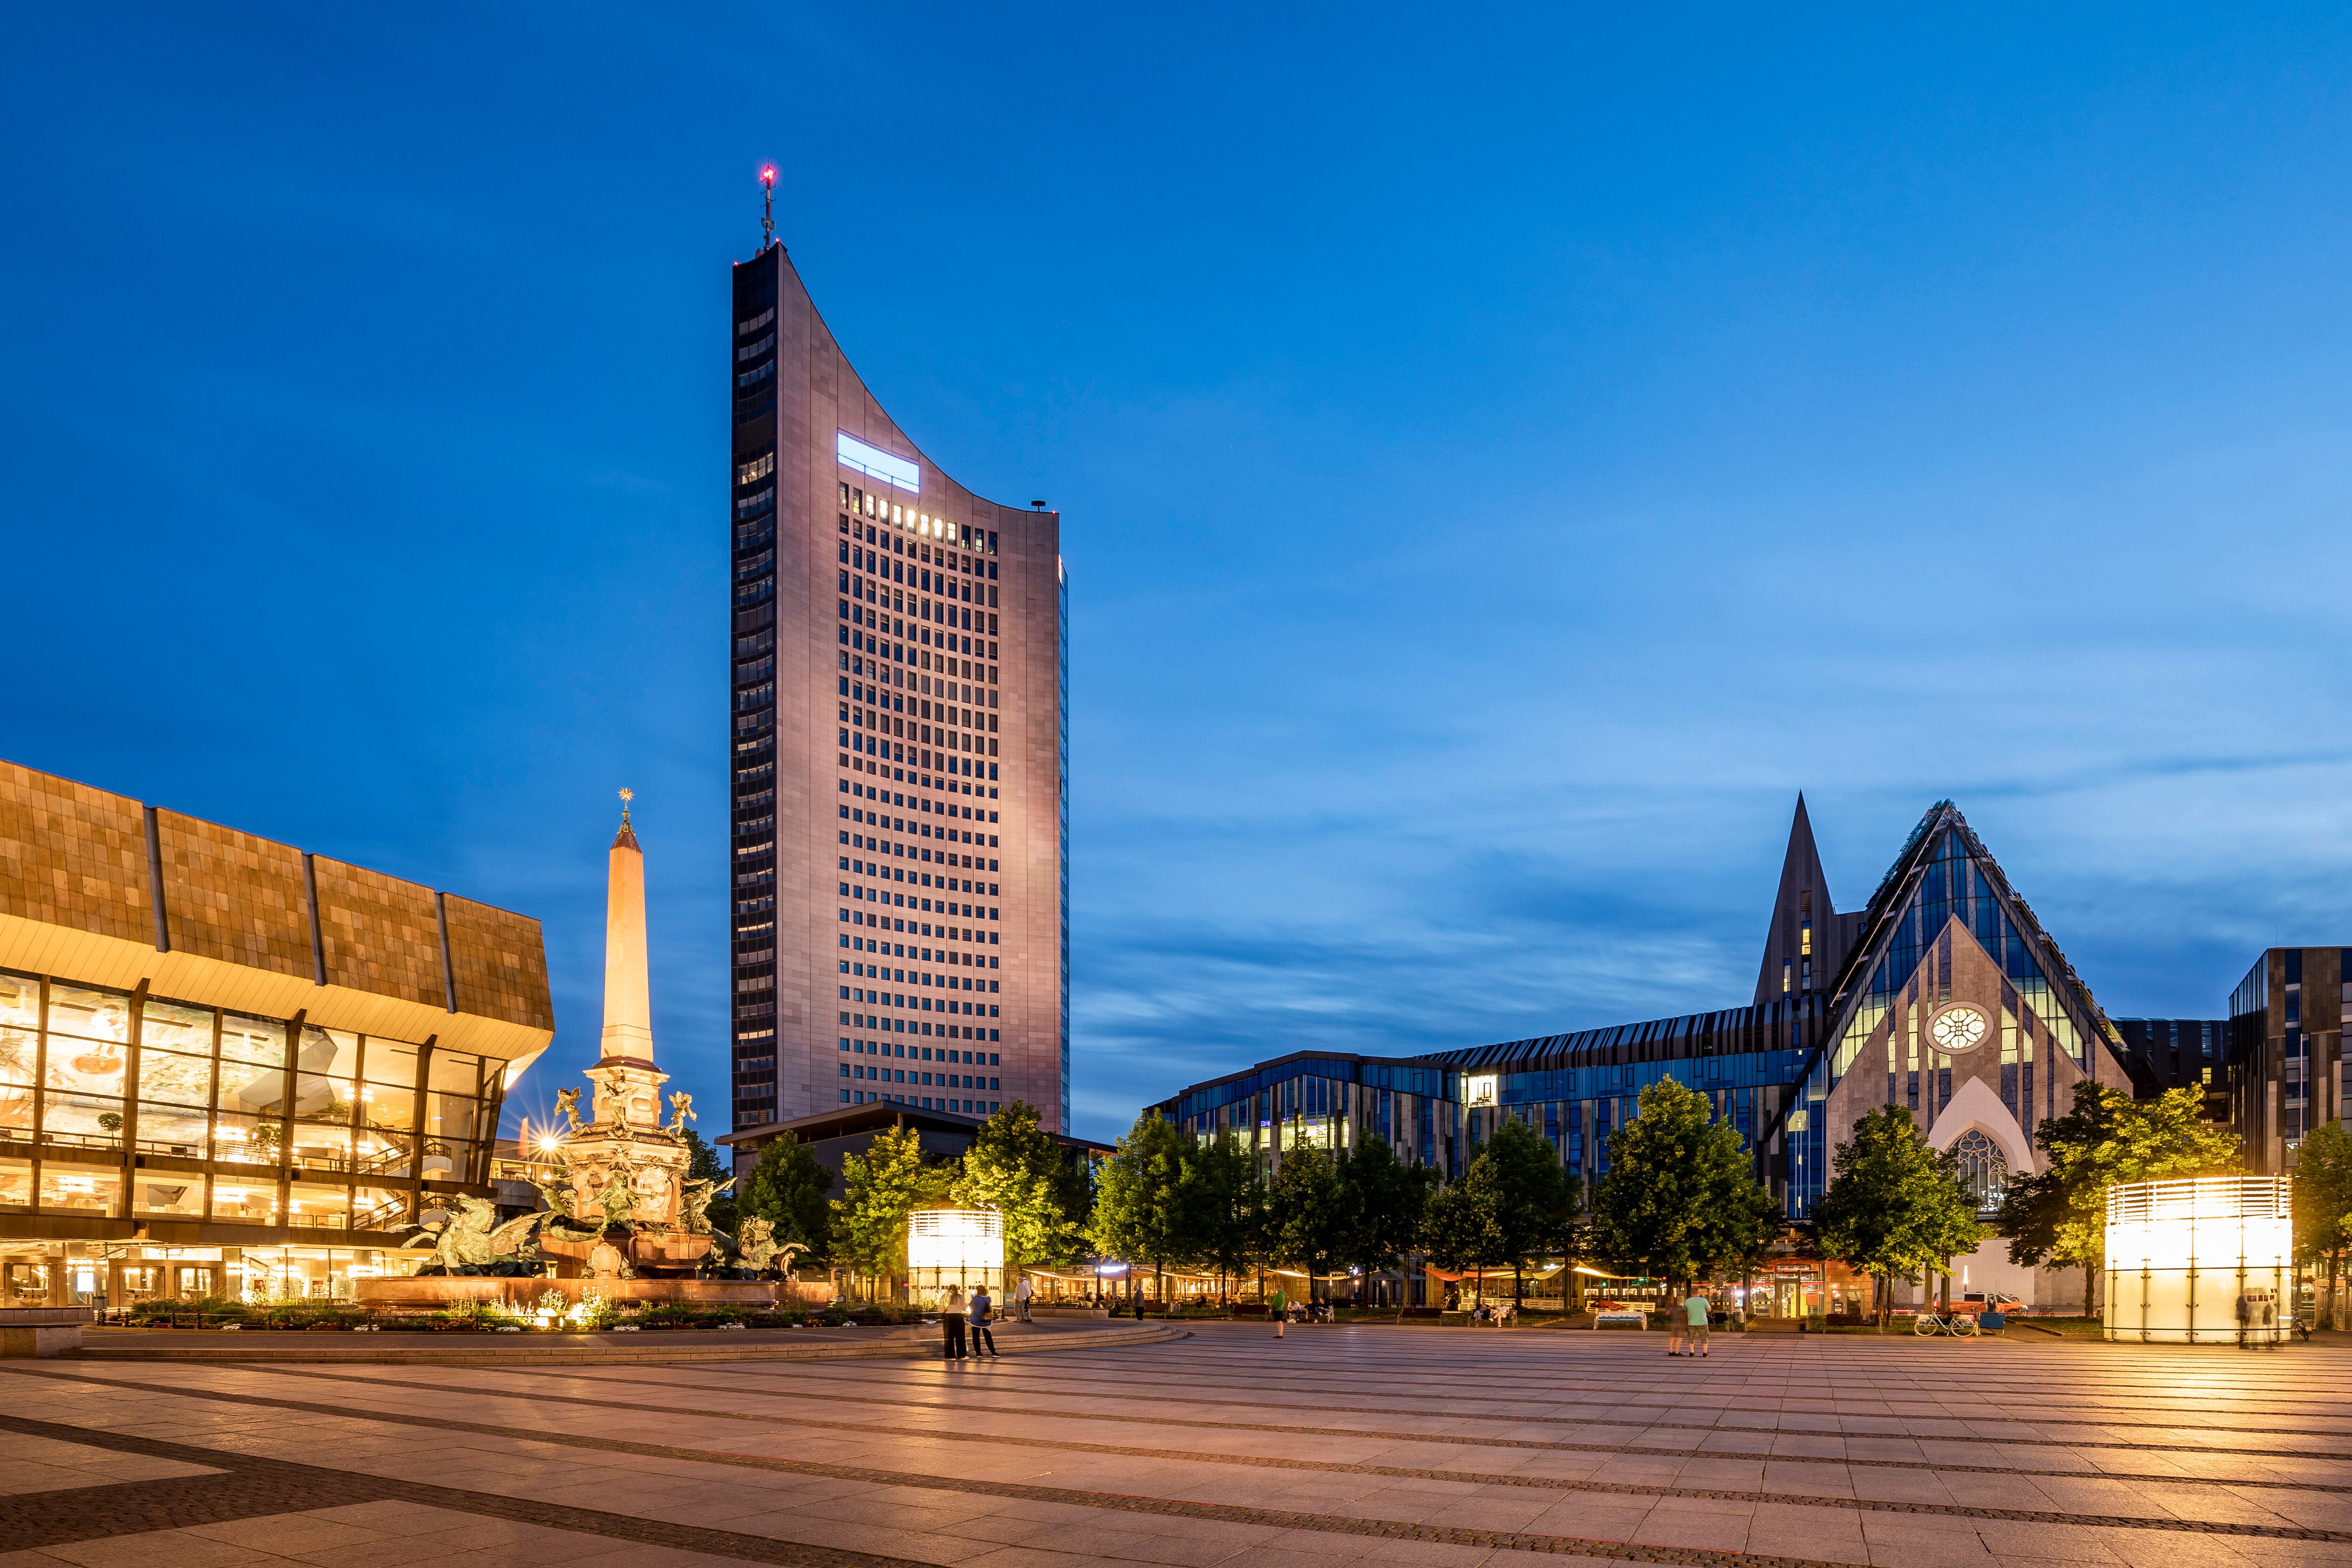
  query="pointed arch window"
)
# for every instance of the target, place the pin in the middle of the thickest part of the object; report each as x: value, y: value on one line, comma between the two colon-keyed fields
x: 1984, y: 1169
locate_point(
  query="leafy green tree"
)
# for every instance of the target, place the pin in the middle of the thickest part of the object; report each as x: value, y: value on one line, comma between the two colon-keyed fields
x: 879, y: 1189
x: 1893, y: 1206
x: 2060, y: 1215
x: 1013, y: 1168
x: 1680, y: 1197
x: 1141, y: 1213
x: 2323, y: 1208
x: 1459, y: 1232
x: 1309, y: 1212
x: 787, y: 1188
x: 1387, y: 1203
x: 1530, y: 1199
x: 1225, y: 1199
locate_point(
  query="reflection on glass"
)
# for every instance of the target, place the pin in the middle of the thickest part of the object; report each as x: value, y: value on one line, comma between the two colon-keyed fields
x: 19, y: 1050
x: 86, y: 1066
x: 249, y: 1089
x: 321, y: 1148
x: 15, y: 1184
x: 334, y: 1052
x: 169, y: 1025
x: 172, y: 1130
x: 81, y: 1119
x: 174, y: 1079
x: 157, y: 1194
x: 317, y: 1098
x: 28, y: 1282
x: 258, y: 1042
x: 250, y: 1203
x: 378, y: 1208
x: 69, y: 1186
x: 89, y: 1014
x: 318, y: 1206
x: 249, y: 1140
x: 20, y: 1000
x: 383, y: 1106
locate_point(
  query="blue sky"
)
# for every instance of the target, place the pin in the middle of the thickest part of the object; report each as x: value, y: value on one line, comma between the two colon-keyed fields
x: 1502, y: 462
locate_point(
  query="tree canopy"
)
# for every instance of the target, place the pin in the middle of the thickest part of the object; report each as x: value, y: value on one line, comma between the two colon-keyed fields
x: 1528, y: 1198
x: 1387, y: 1202
x: 1015, y: 1169
x: 1226, y: 1204
x: 2060, y: 1215
x: 1893, y: 1206
x: 879, y: 1189
x: 1680, y: 1197
x: 1140, y: 1212
x: 787, y: 1188
x: 1309, y: 1212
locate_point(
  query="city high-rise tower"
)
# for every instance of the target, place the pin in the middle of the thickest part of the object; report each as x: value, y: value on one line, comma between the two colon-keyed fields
x: 898, y: 734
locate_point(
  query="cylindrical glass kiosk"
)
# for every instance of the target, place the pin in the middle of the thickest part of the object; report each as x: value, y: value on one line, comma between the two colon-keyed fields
x: 2202, y: 1260
x: 962, y: 1247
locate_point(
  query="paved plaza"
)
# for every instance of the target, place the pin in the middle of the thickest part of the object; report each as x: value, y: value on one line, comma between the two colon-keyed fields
x: 1451, y: 1447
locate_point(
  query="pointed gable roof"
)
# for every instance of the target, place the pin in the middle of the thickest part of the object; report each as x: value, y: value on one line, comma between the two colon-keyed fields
x: 1944, y: 873
x: 1801, y: 873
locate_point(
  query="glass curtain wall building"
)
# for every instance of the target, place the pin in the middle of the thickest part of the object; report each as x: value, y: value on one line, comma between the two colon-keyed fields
x: 227, y: 1066
x: 898, y: 722
x: 2286, y: 1050
x: 1943, y: 995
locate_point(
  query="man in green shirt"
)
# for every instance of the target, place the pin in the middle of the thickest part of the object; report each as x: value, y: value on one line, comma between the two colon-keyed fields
x: 1695, y: 1310
x: 1279, y: 1305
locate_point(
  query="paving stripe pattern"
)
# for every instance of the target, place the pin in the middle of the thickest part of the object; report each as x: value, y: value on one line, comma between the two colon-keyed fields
x: 1444, y: 1446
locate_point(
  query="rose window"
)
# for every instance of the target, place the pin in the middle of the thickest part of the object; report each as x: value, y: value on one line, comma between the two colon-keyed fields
x: 1958, y: 1028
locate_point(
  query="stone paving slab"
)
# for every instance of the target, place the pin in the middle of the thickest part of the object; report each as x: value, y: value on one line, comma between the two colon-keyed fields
x: 1455, y: 1448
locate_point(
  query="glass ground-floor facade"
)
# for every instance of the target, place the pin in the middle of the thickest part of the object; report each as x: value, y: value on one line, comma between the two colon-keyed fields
x: 145, y: 1141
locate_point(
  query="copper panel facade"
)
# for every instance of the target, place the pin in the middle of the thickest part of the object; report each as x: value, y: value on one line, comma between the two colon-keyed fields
x: 378, y: 934
x: 73, y: 856
x: 235, y: 896
x: 500, y: 962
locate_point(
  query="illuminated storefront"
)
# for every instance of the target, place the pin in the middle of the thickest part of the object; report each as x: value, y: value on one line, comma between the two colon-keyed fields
x: 2204, y: 1260
x: 202, y: 1093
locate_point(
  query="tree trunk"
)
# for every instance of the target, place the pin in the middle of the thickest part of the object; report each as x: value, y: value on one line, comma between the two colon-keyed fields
x: 2090, y: 1307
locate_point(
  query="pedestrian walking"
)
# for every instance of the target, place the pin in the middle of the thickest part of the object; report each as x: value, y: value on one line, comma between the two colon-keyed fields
x: 2245, y: 1316
x: 982, y: 1340
x: 951, y: 1324
x: 1021, y: 1295
x: 1694, y: 1308
x: 1279, y: 1305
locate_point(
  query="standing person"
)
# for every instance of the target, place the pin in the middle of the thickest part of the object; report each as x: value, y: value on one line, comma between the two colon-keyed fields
x: 951, y: 1324
x: 1279, y: 1305
x: 1021, y: 1295
x: 1676, y: 1321
x: 1694, y: 1308
x: 981, y: 1338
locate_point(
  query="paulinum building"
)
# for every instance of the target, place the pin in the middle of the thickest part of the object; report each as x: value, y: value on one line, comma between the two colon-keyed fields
x: 1942, y: 993
x: 897, y: 693
x: 230, y: 1066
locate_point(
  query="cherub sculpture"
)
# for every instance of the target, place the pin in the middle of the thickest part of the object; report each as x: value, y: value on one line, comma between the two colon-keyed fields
x: 568, y: 1101
x: 681, y: 1105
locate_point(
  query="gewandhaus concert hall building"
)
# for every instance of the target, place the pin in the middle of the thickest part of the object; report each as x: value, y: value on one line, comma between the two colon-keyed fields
x: 228, y: 1067
x: 1943, y: 993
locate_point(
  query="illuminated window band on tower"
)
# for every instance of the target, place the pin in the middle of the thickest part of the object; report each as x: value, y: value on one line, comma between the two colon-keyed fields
x: 877, y: 464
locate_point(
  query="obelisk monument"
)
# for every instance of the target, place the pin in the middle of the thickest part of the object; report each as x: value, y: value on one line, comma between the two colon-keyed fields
x: 624, y: 1067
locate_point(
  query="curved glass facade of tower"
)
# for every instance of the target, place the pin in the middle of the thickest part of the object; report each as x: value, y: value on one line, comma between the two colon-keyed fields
x: 897, y: 713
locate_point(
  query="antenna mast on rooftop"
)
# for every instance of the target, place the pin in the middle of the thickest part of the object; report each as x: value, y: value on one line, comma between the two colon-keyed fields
x: 767, y: 205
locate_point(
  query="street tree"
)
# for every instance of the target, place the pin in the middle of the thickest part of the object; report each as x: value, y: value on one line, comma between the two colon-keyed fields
x: 1225, y: 1201
x: 1680, y: 1199
x: 2323, y: 1208
x: 1309, y: 1211
x: 1459, y: 1232
x: 1893, y: 1206
x: 1387, y: 1202
x: 1016, y: 1170
x: 1141, y: 1213
x: 787, y: 1188
x: 879, y: 1189
x: 2059, y: 1216
x: 1528, y: 1197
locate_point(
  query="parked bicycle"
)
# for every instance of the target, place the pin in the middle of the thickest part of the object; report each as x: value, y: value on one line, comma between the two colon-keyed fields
x: 1959, y: 1325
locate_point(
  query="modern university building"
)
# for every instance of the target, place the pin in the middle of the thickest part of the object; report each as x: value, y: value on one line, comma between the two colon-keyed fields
x: 1943, y: 994
x: 230, y: 1066
x: 897, y: 693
